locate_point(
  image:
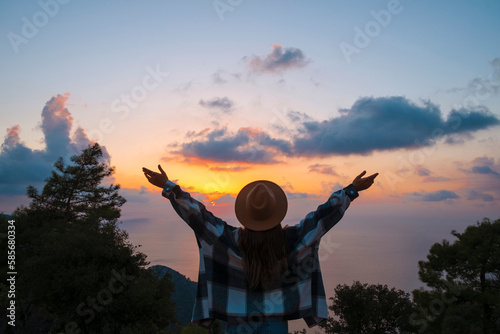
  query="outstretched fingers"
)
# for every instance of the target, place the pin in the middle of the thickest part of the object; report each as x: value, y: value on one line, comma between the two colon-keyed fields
x: 145, y: 170
x: 362, y: 183
x: 155, y: 178
x: 147, y: 173
x: 360, y: 175
x: 161, y: 170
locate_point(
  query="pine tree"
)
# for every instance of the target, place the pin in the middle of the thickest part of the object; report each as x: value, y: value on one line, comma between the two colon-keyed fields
x: 370, y: 309
x: 464, y: 277
x: 78, y: 272
x: 74, y: 193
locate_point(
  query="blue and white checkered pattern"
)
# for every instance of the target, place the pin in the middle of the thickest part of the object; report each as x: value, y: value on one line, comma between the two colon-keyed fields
x: 223, y: 291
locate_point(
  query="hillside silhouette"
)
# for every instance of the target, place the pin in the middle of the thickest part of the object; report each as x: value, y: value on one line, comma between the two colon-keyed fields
x: 184, y: 294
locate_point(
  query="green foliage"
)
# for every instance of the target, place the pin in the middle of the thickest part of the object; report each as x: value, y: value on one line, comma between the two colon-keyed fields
x: 74, y: 193
x: 77, y: 271
x: 373, y: 309
x: 464, y: 277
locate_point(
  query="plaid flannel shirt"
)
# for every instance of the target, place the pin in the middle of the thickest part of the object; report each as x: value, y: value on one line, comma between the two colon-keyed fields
x: 223, y: 291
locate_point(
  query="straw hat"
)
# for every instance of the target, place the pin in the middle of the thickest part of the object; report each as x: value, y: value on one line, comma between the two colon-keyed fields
x: 261, y: 205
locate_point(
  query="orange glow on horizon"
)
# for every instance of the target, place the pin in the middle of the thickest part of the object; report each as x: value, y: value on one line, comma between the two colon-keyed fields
x: 314, y: 178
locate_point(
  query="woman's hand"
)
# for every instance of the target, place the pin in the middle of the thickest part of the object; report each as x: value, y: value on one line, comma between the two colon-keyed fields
x: 157, y: 179
x: 363, y: 183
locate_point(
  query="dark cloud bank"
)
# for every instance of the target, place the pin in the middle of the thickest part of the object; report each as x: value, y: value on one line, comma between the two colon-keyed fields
x: 371, y: 124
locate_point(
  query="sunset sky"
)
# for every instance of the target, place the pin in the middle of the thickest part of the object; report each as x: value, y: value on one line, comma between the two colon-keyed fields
x: 305, y: 94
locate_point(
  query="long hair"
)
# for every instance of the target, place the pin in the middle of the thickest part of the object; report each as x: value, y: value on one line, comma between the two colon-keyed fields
x: 264, y: 255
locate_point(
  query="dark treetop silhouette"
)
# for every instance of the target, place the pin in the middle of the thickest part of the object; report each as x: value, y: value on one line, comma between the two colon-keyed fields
x: 227, y: 289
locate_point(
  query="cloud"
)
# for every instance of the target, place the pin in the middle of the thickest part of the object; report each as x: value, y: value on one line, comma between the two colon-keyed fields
x: 371, y: 124
x: 476, y: 195
x: 56, y: 126
x: 286, y: 121
x: 436, y: 196
x: 482, y: 165
x: 12, y: 139
x: 229, y: 169
x: 322, y: 169
x: 469, y: 120
x: 483, y: 179
x: 246, y: 145
x: 484, y: 161
x: 421, y: 171
x: 290, y: 195
x: 183, y: 88
x: 136, y: 196
x: 278, y: 61
x: 279, y: 145
x: 138, y: 221
x: 298, y: 117
x: 481, y: 88
x: 218, y: 77
x: 221, y: 77
x: 483, y: 170
x: 225, y: 200
x: 21, y: 166
x: 437, y: 179
x: 429, y: 177
x: 224, y: 104
x: 193, y: 134
x: 330, y: 187
x: 386, y: 123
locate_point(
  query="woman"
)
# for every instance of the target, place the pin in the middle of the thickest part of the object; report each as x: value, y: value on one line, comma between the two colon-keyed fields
x: 258, y: 277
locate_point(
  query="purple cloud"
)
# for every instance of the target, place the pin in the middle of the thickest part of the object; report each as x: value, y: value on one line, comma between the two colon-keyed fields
x: 246, y: 145
x: 476, y: 195
x: 224, y: 104
x: 279, y: 60
x: 386, y: 123
x: 322, y: 169
x: 371, y: 124
x: 436, y: 196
